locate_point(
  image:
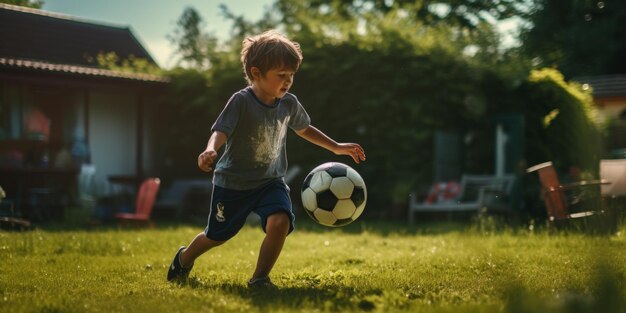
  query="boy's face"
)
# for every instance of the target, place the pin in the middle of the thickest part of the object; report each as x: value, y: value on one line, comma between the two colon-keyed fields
x: 275, y: 83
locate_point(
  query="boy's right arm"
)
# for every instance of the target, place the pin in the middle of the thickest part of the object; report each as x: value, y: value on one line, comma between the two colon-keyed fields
x: 317, y: 137
x: 207, y: 158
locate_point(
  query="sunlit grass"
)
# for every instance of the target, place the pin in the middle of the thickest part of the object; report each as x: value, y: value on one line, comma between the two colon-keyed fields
x: 365, y: 267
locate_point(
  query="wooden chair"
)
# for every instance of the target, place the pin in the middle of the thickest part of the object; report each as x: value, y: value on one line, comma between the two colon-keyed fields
x: 559, y: 206
x: 143, y: 207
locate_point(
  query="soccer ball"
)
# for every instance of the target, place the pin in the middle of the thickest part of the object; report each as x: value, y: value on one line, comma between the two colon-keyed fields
x: 334, y: 194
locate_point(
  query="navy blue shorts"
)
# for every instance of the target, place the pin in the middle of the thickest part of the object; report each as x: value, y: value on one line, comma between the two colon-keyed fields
x: 230, y: 208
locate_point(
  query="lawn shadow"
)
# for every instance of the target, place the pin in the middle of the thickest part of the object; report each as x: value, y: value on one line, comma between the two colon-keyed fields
x: 389, y: 227
x: 335, y: 298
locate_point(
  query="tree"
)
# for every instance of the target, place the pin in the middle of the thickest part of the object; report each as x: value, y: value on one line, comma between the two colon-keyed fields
x: 193, y: 45
x: 578, y: 37
x: 458, y: 13
x: 388, y: 80
x: 470, y: 19
x: 241, y: 27
x: 560, y: 117
x: 132, y: 64
x: 37, y: 4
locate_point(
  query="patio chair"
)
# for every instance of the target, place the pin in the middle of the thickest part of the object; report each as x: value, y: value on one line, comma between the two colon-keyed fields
x: 613, y: 170
x: 172, y: 202
x: 144, y: 204
x: 561, y: 200
x: 8, y: 218
x: 477, y: 193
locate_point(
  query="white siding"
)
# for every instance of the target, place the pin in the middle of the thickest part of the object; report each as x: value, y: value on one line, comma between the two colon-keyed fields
x: 112, y: 133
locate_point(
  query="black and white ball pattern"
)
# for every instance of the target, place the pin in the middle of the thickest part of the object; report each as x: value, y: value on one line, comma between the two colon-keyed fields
x: 334, y: 194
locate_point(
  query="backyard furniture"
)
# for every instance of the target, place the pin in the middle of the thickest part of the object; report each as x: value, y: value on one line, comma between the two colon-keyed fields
x: 40, y: 194
x: 8, y: 218
x: 615, y: 172
x: 477, y: 192
x: 184, y: 195
x: 144, y: 204
x: 563, y: 201
x: 14, y: 223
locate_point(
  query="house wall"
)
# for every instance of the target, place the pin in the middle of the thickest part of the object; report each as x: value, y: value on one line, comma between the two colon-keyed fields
x: 610, y: 107
x: 35, y: 119
x: 11, y: 108
x: 112, y: 134
x: 613, y: 110
x: 150, y: 142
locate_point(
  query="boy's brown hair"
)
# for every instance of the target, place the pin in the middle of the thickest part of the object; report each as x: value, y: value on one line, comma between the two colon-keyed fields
x: 269, y: 50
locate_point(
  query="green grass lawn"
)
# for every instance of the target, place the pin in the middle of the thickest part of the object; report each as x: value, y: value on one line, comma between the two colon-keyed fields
x: 364, y: 267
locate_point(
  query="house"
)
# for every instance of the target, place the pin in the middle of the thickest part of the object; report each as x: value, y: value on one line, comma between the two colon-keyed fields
x: 59, y: 110
x: 609, y: 95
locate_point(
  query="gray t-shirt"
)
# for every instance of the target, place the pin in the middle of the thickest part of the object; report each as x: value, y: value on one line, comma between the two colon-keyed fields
x: 255, y: 151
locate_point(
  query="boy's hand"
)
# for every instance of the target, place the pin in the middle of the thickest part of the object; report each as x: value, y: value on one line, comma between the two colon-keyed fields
x: 351, y: 149
x: 206, y: 160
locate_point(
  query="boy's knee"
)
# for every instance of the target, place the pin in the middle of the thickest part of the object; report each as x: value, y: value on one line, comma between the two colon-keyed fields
x: 278, y: 222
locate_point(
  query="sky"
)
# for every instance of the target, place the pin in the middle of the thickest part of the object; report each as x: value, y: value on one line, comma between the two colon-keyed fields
x: 152, y: 20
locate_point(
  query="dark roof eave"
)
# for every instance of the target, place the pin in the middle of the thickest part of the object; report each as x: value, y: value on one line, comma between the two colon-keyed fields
x: 58, y: 38
x: 79, y: 70
x: 606, y: 85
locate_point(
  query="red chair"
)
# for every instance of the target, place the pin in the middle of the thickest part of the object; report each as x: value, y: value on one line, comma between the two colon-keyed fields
x: 561, y: 199
x: 145, y: 202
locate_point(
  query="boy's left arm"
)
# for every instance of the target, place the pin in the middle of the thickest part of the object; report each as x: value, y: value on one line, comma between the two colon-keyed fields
x: 317, y: 137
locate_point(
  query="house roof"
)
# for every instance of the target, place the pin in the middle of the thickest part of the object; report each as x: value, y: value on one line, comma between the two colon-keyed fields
x: 38, y: 40
x: 76, y: 69
x: 605, y: 86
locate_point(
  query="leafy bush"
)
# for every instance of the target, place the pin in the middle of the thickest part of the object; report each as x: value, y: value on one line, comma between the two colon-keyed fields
x: 560, y: 119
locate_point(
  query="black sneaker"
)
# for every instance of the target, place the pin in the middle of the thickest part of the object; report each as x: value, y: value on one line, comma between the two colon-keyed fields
x: 177, y: 271
x: 261, y: 283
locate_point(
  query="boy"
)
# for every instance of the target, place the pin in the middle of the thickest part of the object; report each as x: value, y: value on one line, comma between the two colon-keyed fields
x: 249, y: 175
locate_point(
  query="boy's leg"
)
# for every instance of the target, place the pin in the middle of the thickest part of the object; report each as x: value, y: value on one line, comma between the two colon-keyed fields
x: 229, y: 209
x: 185, y: 256
x: 199, y: 245
x: 276, y: 231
